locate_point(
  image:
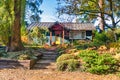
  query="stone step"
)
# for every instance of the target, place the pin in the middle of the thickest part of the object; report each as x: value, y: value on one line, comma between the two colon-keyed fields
x: 45, y: 61
x: 45, y: 66
x: 49, y: 53
x: 48, y: 58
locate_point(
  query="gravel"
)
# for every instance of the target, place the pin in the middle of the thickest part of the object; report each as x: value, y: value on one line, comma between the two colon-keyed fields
x: 45, y: 74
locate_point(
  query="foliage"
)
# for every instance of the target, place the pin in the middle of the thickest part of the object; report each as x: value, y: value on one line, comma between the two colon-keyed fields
x: 26, y: 55
x: 33, y: 11
x: 3, y: 53
x: 114, y: 45
x: 6, y: 19
x: 90, y: 10
x: 99, y: 39
x: 38, y: 35
x: 117, y: 56
x: 82, y: 44
x: 110, y: 36
x: 68, y: 65
x: 117, y: 31
x: 20, y: 55
x: 65, y: 57
x: 23, y: 57
x: 118, y: 74
x: 24, y: 35
x: 98, y: 64
x: 67, y: 62
x: 10, y: 23
x: 24, y: 30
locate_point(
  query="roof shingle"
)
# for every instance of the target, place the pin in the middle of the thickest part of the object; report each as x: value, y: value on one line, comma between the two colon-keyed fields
x: 69, y: 26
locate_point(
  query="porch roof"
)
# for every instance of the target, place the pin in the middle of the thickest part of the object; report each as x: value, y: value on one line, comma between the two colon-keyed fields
x: 66, y: 25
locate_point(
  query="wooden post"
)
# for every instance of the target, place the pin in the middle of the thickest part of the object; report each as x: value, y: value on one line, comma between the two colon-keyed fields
x: 63, y: 35
x: 50, y: 37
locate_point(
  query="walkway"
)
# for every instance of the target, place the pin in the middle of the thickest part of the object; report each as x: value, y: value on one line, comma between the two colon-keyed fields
x: 47, y: 61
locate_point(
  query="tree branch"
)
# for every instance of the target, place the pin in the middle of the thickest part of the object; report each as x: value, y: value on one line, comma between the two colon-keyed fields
x: 117, y: 21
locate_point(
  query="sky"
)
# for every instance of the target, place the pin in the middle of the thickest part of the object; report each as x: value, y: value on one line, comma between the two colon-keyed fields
x: 49, y: 11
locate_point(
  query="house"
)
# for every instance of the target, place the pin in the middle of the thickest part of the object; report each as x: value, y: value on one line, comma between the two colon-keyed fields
x: 60, y: 33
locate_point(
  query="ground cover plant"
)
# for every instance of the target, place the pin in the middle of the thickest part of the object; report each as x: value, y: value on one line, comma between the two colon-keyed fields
x: 20, y: 55
x: 98, y: 63
x: 67, y: 62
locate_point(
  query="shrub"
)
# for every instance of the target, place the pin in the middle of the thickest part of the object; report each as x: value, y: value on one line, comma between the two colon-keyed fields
x: 117, y: 31
x: 114, y: 44
x: 99, y: 39
x: 68, y: 65
x: 80, y: 45
x: 38, y: 35
x: 20, y: 55
x: 65, y: 57
x: 3, y: 53
x: 98, y: 64
x: 67, y: 62
x: 110, y: 35
x: 26, y: 55
x: 88, y: 53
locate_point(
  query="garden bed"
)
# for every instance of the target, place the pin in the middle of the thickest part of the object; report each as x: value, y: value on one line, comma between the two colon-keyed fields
x: 19, y: 59
x: 28, y: 64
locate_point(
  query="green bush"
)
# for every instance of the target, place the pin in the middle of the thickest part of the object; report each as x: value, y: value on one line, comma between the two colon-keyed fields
x: 67, y: 62
x: 117, y: 31
x: 38, y: 35
x: 3, y: 53
x: 98, y: 64
x: 26, y: 55
x: 80, y: 45
x: 68, y: 65
x: 20, y: 55
x: 99, y: 39
x: 65, y: 57
x: 110, y: 35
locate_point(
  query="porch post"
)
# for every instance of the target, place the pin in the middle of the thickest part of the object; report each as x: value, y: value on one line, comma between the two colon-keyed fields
x: 50, y: 37
x: 63, y: 36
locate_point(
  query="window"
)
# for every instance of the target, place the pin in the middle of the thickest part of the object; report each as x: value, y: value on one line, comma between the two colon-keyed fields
x: 88, y: 33
x: 77, y: 35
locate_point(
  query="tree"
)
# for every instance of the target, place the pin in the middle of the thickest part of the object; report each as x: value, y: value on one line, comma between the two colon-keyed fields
x: 12, y: 24
x: 11, y: 18
x: 38, y: 35
x: 33, y: 11
x: 106, y: 10
x: 16, y: 43
x: 101, y: 15
x: 6, y: 20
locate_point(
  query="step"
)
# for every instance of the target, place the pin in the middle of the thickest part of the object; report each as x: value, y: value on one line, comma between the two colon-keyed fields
x: 45, y: 66
x: 50, y: 55
x: 48, y: 58
x: 45, y: 61
x: 48, y: 52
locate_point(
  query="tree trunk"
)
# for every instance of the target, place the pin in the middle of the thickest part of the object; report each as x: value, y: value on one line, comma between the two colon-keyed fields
x: 15, y: 43
x: 101, y: 15
x: 112, y: 19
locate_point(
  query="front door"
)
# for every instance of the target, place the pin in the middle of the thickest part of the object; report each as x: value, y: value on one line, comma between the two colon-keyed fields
x: 57, y: 39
